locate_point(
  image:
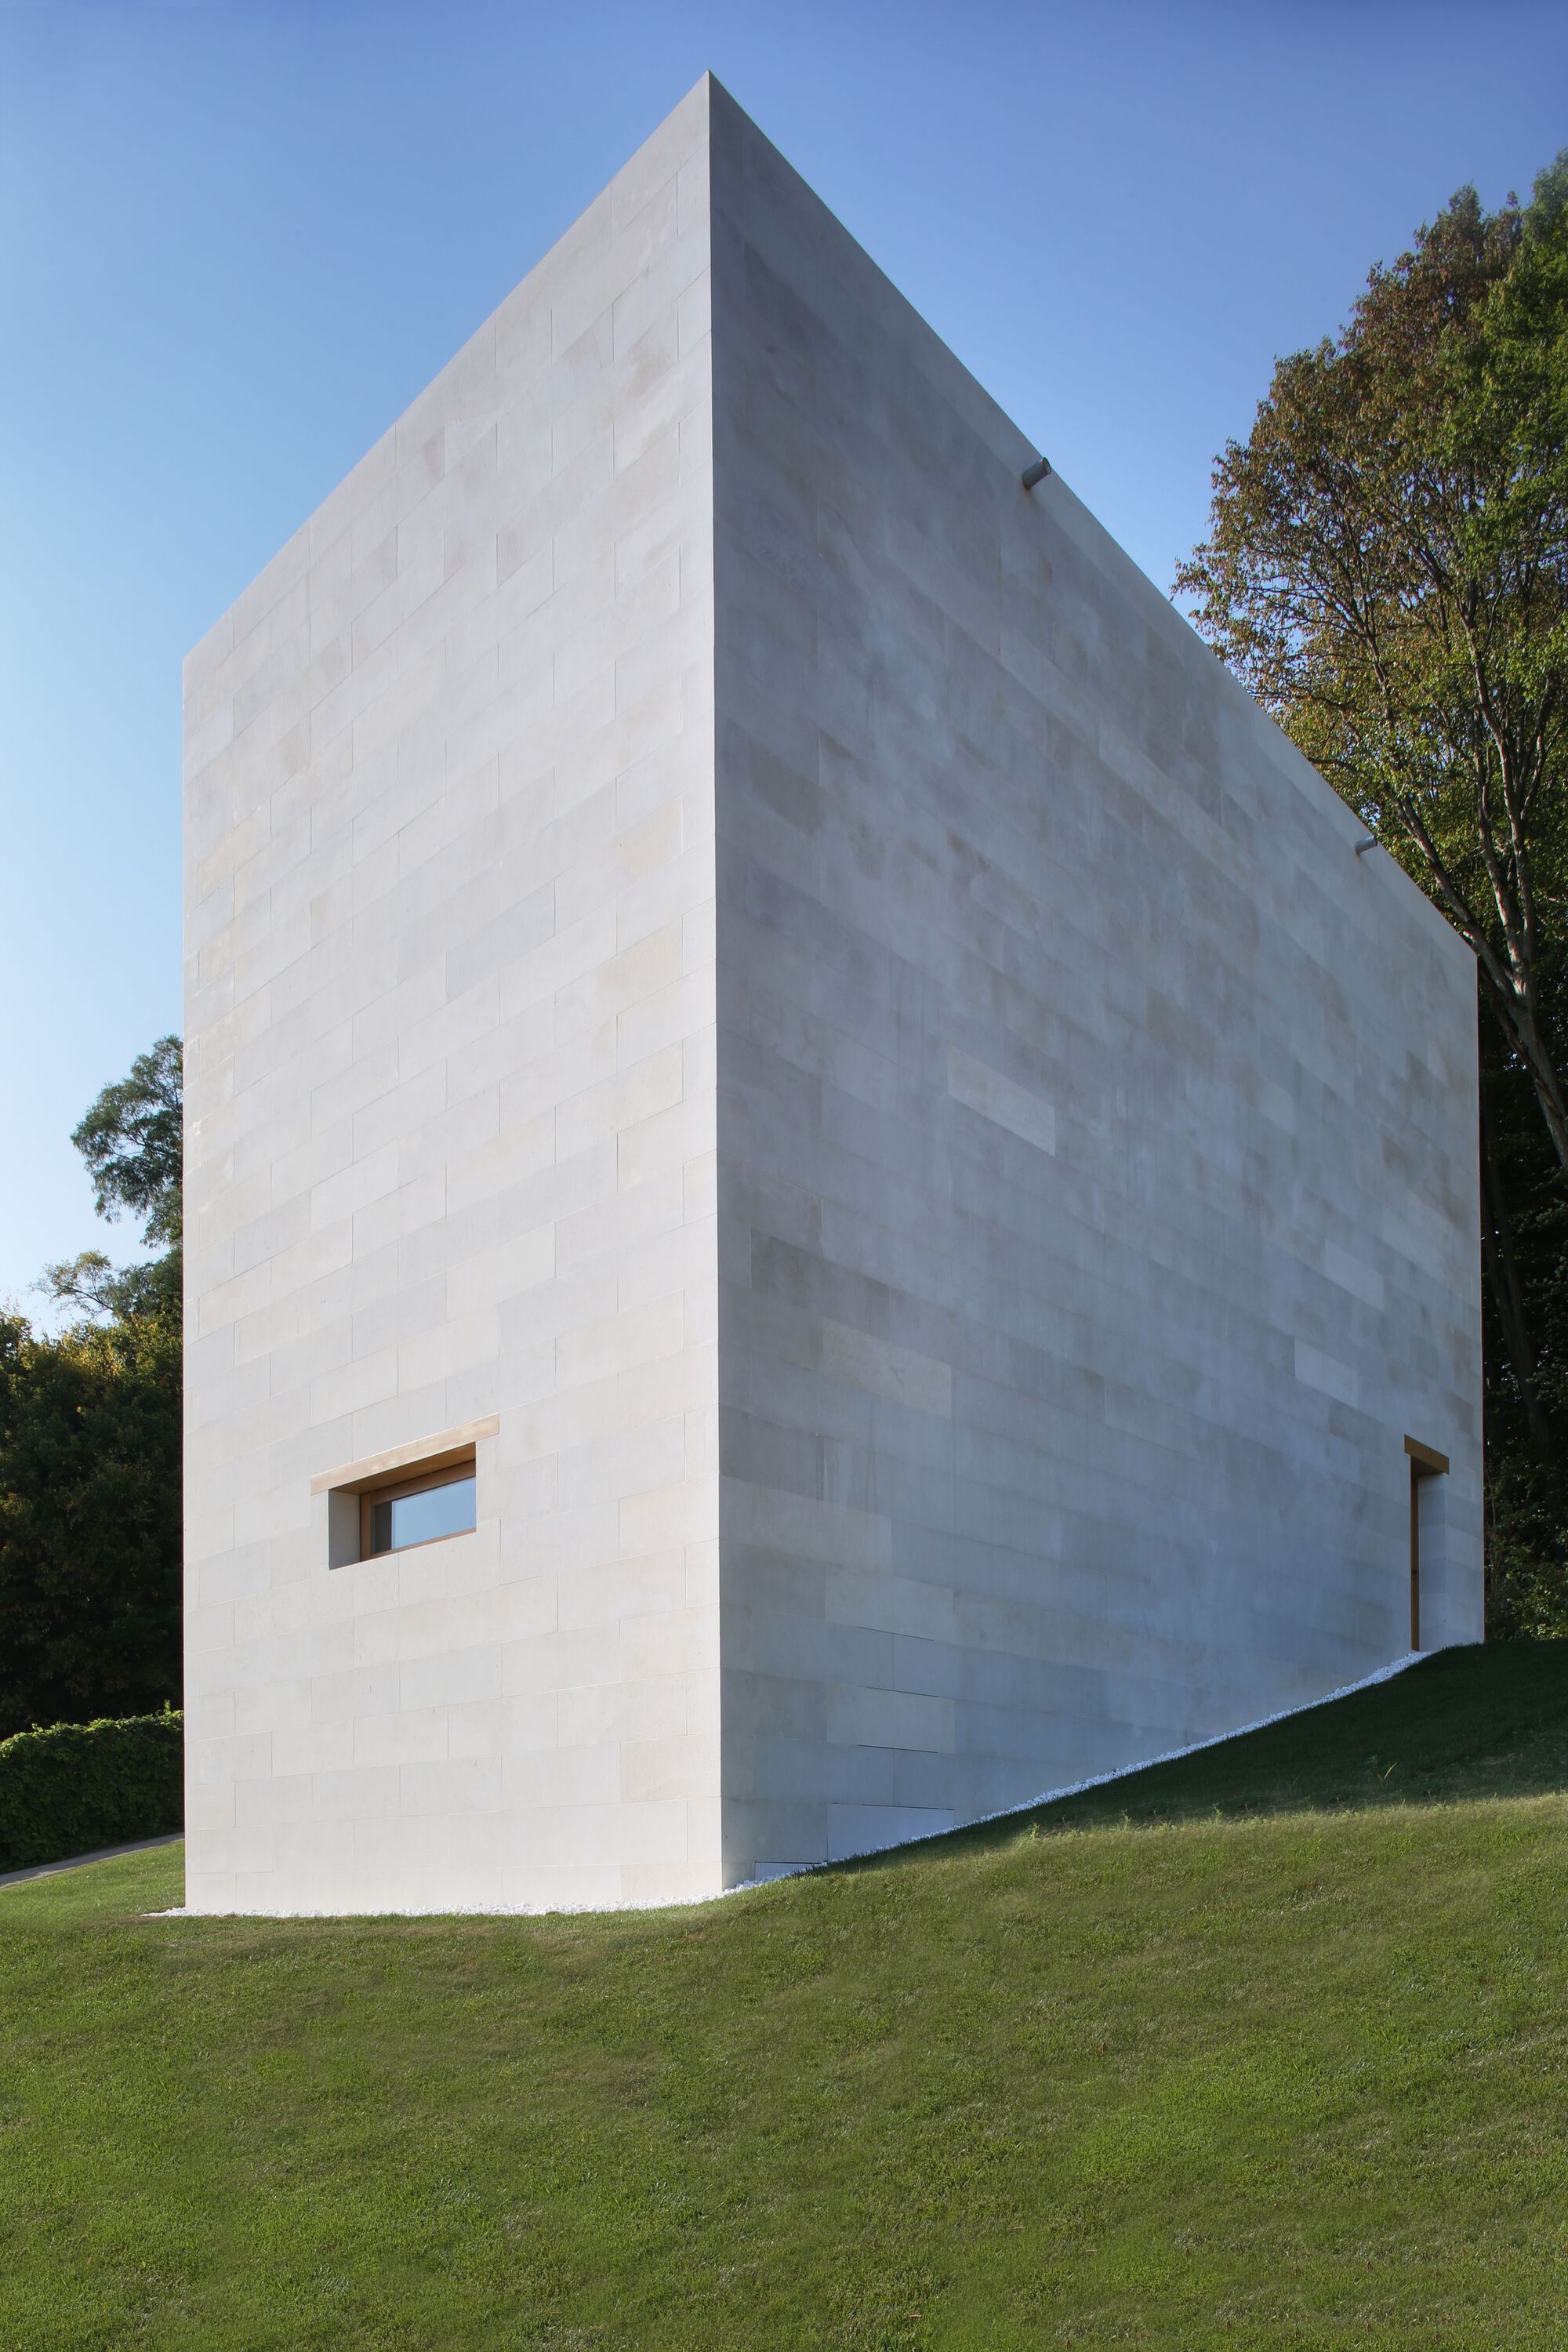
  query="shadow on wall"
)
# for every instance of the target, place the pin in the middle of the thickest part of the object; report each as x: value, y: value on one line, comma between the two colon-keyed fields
x: 1464, y: 1724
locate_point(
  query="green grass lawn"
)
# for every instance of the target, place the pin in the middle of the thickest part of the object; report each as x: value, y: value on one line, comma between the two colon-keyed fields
x: 1266, y: 2048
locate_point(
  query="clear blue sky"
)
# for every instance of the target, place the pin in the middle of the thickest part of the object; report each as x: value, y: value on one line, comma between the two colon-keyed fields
x: 237, y: 237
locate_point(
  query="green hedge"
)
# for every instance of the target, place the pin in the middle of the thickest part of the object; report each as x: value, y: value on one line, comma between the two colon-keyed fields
x: 81, y: 1785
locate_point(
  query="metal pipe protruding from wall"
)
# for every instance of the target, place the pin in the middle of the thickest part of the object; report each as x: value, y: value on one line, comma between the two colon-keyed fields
x: 1362, y: 846
x: 1037, y: 472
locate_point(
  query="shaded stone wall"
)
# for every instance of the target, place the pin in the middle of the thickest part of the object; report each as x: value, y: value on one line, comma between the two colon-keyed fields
x: 1097, y: 1131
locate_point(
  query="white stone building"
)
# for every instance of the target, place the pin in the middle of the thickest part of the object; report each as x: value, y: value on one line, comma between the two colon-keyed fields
x: 773, y: 1043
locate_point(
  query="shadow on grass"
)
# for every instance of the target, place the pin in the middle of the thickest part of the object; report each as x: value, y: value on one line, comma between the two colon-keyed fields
x: 1487, y: 1721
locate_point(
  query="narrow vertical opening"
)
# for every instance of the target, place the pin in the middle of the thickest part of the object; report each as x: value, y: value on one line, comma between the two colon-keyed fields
x: 1425, y: 1461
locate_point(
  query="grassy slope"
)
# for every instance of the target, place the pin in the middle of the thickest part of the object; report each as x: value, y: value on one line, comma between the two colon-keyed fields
x: 1185, y: 2063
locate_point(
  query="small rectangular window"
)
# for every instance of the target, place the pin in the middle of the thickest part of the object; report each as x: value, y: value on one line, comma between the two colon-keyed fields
x: 418, y: 1511
x: 421, y: 1493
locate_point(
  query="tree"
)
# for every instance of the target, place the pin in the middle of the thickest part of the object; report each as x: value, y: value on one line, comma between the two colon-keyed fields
x: 1387, y: 569
x: 131, y: 1139
x: 90, y: 1521
x: 89, y: 1442
x: 1524, y: 1237
x: 132, y: 1142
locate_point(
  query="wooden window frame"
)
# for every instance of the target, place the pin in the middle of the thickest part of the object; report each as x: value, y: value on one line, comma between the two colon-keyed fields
x: 447, y: 1472
x: 437, y: 1460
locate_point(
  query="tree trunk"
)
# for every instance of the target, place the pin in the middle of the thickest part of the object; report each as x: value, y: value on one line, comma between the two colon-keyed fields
x: 1518, y: 1017
x: 1507, y: 1297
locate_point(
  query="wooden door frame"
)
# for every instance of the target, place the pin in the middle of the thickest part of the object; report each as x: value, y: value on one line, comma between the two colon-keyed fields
x: 1425, y: 1461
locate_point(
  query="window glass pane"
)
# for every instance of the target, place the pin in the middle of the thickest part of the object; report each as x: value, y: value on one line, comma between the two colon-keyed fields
x: 446, y: 1510
x: 380, y: 1528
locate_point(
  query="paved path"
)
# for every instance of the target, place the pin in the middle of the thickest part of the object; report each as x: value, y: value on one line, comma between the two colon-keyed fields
x: 75, y: 1861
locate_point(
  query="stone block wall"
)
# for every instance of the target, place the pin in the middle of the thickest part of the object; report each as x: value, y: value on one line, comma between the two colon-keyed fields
x: 1096, y: 1129
x: 759, y: 975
